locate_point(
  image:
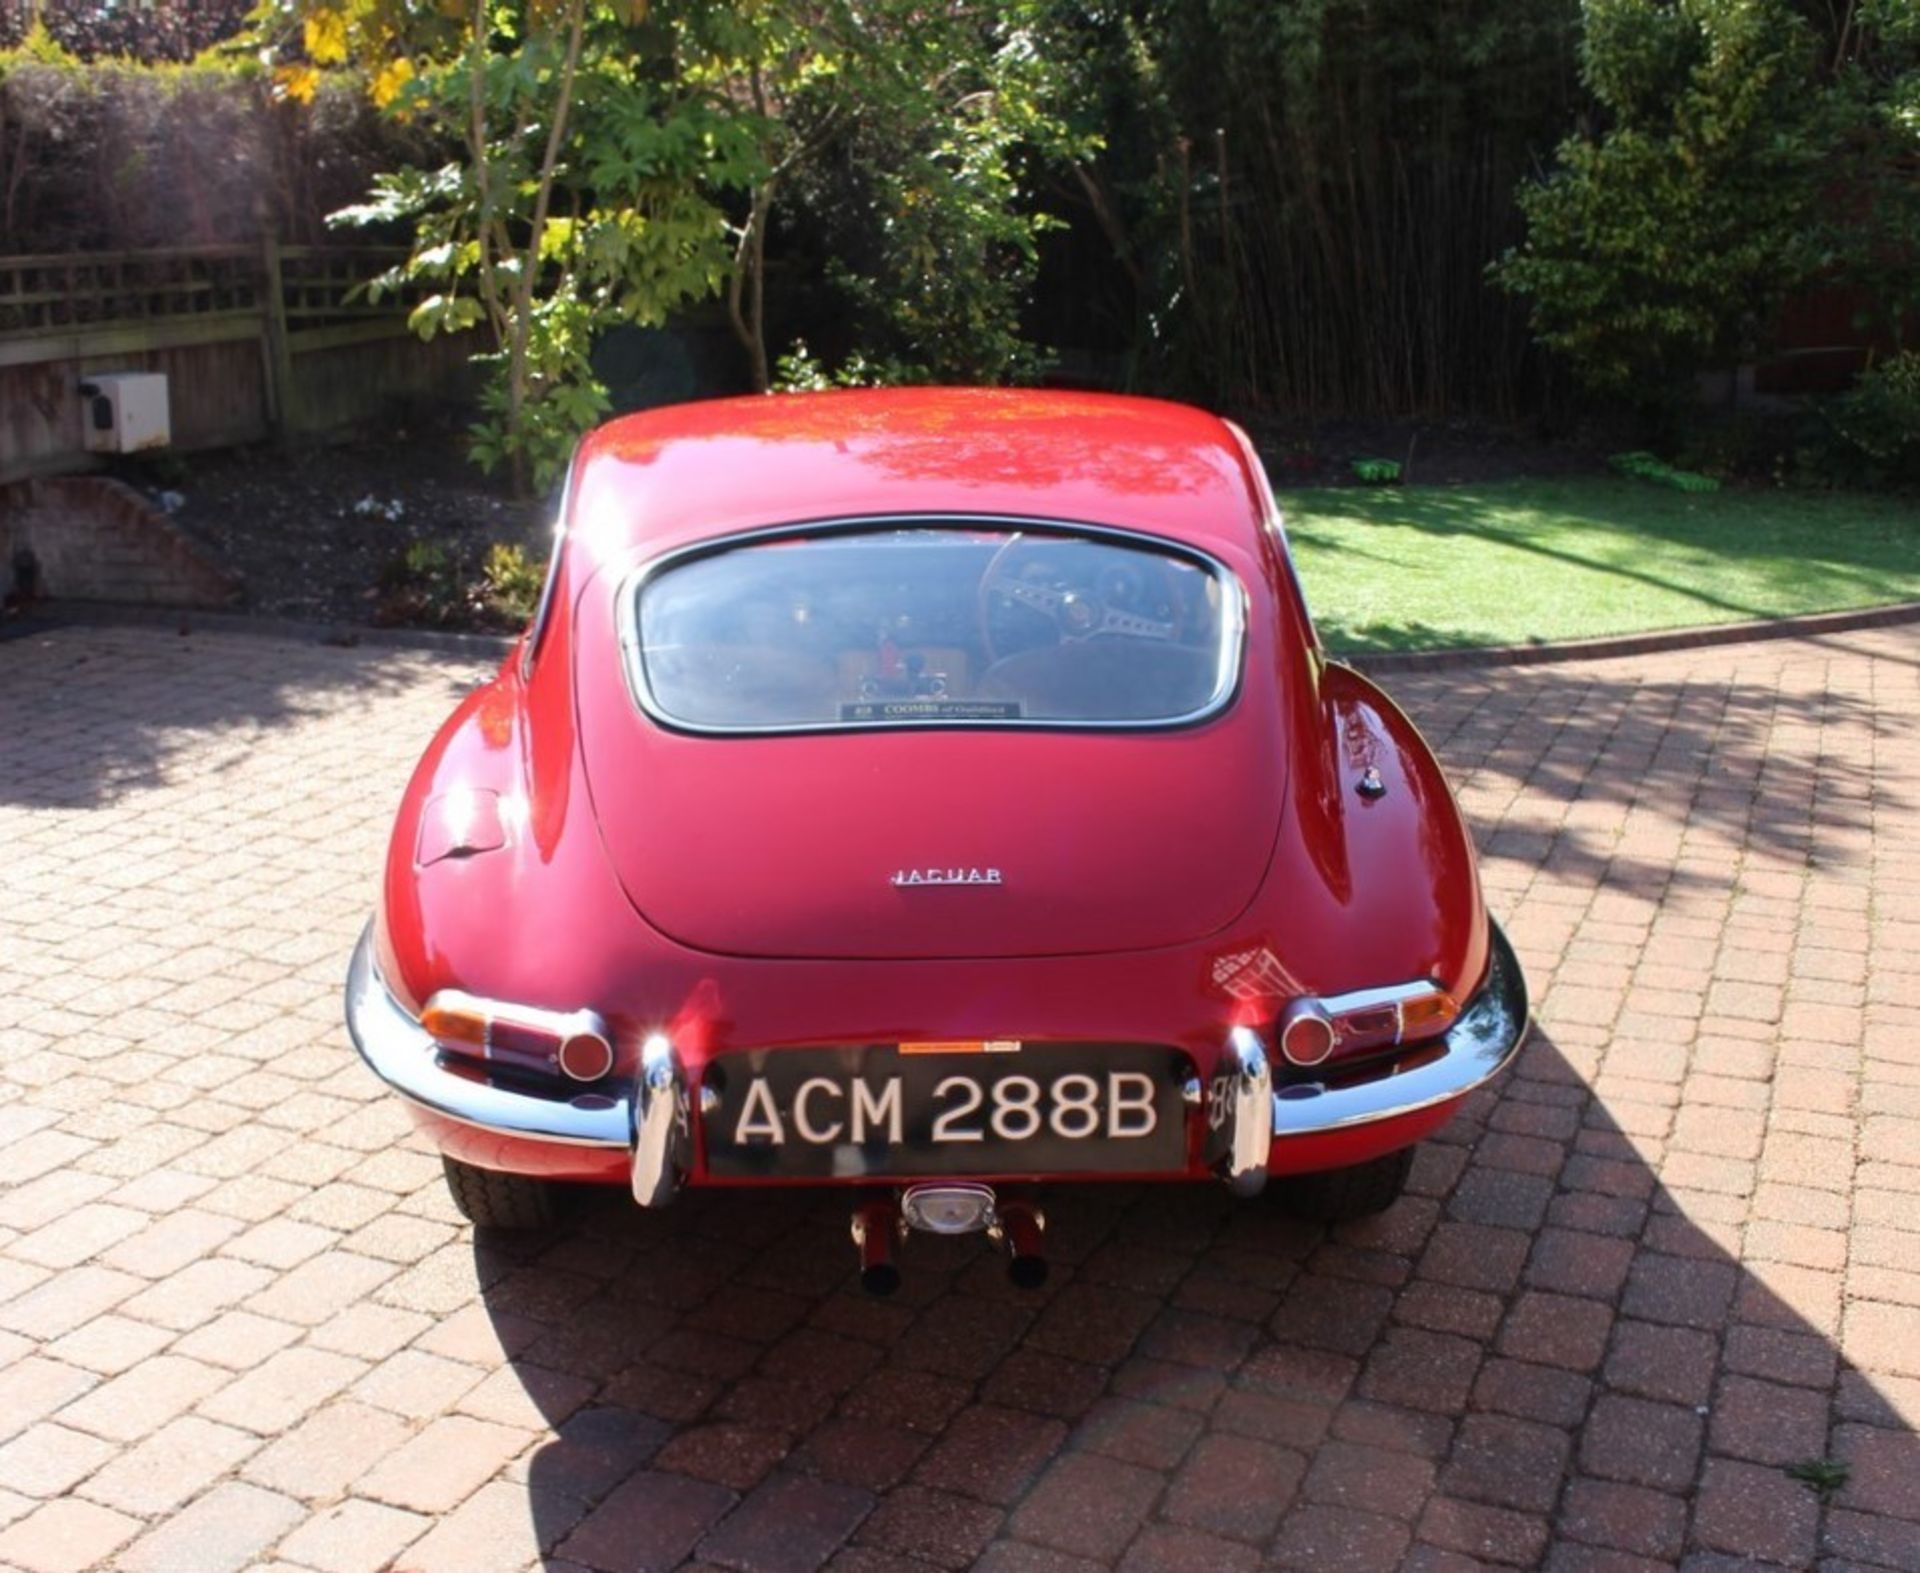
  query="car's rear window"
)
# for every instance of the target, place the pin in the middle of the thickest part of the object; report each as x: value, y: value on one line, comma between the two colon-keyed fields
x: 934, y: 626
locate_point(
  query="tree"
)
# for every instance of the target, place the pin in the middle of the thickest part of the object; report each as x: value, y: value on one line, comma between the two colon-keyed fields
x: 1744, y: 152
x: 935, y: 114
x: 583, y: 194
x: 619, y: 160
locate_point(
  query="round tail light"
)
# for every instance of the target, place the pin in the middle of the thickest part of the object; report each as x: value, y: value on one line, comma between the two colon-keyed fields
x: 1307, y: 1034
x: 585, y: 1056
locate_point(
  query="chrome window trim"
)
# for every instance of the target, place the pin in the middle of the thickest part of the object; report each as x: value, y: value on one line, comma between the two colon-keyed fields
x: 1227, y: 677
x: 537, y: 628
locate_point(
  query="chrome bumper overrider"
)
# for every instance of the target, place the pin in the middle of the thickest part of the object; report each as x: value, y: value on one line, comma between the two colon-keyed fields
x: 649, y: 1120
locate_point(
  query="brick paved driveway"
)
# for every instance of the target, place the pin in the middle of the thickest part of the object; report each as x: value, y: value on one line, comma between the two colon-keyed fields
x: 239, y: 1324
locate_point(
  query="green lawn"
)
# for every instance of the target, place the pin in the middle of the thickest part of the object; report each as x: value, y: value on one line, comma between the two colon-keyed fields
x: 1543, y: 560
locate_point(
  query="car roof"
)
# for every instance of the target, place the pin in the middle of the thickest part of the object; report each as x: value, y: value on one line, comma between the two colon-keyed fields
x: 687, y: 473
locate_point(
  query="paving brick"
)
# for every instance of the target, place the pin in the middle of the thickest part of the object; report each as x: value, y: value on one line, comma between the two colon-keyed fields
x: 1376, y: 1481
x: 1767, y: 1423
x: 1557, y: 1330
x: 1506, y: 1463
x: 1533, y: 1392
x: 788, y: 1524
x: 1884, y: 1470
x: 1485, y: 1533
x: 1172, y: 1548
x: 167, y: 1468
x: 1642, y: 1443
x: 1086, y: 1505
x: 319, y: 1456
x: 1676, y: 1290
x: 1869, y: 1541
x: 1570, y: 1262
x: 48, y: 1459
x: 368, y: 1537
x: 112, y: 1344
x: 1626, y: 1518
x: 932, y: 1526
x: 1318, y: 1537
x: 224, y: 1531
x: 648, y: 1525
x: 1879, y: 1337
x: 1745, y: 1511
x: 282, y: 1389
x: 144, y: 1399
x: 442, y: 1465
x: 67, y: 1536
x: 1233, y: 1486
x: 738, y: 1456
x: 1675, y: 1364
x: 991, y: 1453
x: 1153, y: 1436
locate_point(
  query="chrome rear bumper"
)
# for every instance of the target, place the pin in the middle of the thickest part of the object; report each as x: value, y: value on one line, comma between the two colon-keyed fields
x: 1475, y: 1049
x: 650, y: 1119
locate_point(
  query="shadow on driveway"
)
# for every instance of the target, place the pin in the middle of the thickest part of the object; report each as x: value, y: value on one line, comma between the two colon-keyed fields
x: 1541, y: 1352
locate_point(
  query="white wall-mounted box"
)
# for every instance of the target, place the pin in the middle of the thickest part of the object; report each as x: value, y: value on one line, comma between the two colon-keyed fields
x: 125, y: 411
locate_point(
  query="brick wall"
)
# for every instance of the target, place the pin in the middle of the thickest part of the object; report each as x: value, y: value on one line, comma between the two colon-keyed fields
x: 97, y: 540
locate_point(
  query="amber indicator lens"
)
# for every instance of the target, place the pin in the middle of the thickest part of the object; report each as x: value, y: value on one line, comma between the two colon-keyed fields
x: 1427, y: 1014
x: 455, y: 1026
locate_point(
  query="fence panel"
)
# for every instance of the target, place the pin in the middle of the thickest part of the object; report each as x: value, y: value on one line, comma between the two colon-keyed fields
x: 253, y: 341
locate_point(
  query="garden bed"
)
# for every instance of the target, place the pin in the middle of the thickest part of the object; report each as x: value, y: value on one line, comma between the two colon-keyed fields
x: 391, y: 530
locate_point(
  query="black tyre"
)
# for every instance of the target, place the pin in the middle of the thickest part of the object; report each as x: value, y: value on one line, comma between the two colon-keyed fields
x: 500, y: 1201
x: 1342, y: 1195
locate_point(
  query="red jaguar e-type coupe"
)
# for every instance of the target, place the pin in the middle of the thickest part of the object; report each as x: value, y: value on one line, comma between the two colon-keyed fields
x: 933, y: 794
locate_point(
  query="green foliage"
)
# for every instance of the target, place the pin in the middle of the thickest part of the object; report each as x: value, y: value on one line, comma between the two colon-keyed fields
x: 1297, y: 199
x: 1376, y: 472
x: 1666, y: 244
x: 798, y: 371
x: 513, y: 581
x: 950, y: 122
x: 621, y: 161
x: 1645, y: 466
x: 1870, y: 435
x: 150, y: 31
x: 1826, y: 1478
x: 120, y: 155
x: 432, y: 583
x: 1745, y: 153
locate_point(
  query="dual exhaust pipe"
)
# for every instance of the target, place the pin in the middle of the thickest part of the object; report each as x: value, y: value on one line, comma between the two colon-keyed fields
x: 880, y: 1226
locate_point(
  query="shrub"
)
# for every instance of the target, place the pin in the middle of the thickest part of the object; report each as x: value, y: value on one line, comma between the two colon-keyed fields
x: 513, y: 581
x: 1870, y: 435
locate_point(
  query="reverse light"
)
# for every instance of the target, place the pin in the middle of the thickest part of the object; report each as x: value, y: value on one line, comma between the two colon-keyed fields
x: 1312, y: 1031
x: 575, y: 1043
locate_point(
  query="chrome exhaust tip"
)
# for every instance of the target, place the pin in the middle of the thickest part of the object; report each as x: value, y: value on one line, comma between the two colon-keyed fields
x: 876, y: 1228
x: 1022, y: 1227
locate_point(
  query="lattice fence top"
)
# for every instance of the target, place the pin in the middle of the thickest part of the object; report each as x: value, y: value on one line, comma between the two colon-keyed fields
x: 62, y: 294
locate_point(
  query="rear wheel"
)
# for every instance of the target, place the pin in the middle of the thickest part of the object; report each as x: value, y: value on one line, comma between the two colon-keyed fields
x: 500, y: 1201
x: 1341, y: 1195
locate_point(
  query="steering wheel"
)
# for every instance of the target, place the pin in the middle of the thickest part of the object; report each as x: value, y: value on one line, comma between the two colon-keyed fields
x: 1077, y: 612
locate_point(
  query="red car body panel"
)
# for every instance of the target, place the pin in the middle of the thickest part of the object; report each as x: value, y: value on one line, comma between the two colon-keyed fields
x: 1161, y: 886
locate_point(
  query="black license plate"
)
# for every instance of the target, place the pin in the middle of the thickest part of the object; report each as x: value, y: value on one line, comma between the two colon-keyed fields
x: 872, y: 1109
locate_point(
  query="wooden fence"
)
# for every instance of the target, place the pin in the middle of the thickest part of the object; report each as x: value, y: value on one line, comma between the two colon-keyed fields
x: 255, y: 341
